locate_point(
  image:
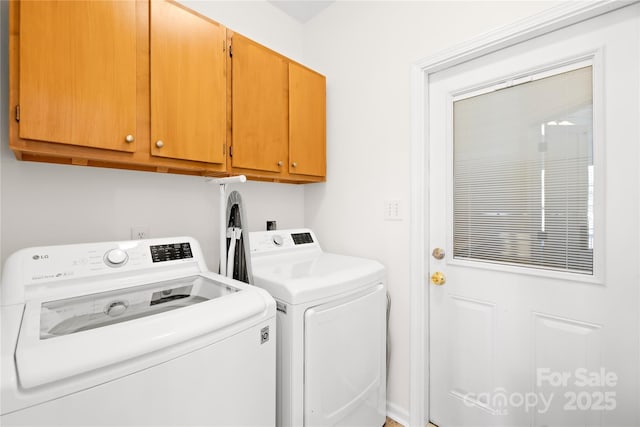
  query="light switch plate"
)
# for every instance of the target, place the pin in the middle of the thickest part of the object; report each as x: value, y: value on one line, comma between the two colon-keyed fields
x: 392, y: 210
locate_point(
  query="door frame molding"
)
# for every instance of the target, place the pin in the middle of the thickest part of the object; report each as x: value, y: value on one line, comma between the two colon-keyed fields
x: 547, y: 21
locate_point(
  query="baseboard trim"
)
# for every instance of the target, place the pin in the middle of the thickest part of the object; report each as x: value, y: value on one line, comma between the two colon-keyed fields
x: 398, y: 414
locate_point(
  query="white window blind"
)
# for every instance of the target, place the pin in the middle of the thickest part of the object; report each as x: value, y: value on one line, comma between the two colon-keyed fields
x: 523, y: 174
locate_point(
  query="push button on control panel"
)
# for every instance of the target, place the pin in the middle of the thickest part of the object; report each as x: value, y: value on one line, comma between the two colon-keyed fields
x: 116, y: 258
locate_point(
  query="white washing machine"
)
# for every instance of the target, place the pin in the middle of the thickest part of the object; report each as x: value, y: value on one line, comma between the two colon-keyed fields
x: 331, y: 324
x: 133, y: 333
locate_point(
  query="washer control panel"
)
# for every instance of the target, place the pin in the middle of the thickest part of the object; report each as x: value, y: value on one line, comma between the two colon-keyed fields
x: 54, y: 263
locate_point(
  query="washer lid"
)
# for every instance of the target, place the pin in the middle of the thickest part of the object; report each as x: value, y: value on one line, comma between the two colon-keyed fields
x: 298, y: 279
x: 64, y: 338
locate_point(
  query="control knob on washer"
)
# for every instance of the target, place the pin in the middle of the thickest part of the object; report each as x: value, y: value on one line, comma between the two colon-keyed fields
x: 116, y: 257
x: 116, y: 308
x: 277, y: 240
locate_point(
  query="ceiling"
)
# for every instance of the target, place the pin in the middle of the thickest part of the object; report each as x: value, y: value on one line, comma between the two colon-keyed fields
x: 301, y: 10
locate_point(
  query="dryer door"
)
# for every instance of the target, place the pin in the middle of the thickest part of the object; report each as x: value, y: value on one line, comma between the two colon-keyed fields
x: 345, y: 364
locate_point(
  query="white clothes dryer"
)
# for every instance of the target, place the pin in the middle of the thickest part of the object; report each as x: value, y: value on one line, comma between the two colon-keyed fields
x: 133, y: 333
x: 331, y: 327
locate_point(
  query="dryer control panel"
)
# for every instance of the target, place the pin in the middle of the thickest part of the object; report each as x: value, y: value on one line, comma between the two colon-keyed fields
x: 279, y: 240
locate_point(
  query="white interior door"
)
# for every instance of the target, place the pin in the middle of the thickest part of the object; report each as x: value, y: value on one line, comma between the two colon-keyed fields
x: 534, y: 199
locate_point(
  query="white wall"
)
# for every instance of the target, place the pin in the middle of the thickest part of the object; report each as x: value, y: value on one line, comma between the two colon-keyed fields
x: 44, y: 204
x: 366, y: 49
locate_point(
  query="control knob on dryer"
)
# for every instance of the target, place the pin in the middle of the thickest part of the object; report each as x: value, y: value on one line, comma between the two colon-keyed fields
x: 277, y: 240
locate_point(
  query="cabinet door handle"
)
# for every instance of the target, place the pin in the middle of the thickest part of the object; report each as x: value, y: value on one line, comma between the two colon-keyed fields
x: 280, y: 163
x: 129, y: 138
x: 159, y: 143
x: 294, y: 164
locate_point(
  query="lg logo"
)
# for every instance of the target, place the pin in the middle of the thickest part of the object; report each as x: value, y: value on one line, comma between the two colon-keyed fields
x: 38, y: 257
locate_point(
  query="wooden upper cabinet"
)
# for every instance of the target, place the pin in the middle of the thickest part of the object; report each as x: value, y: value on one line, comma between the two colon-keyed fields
x: 260, y: 130
x: 151, y: 85
x: 307, y: 121
x: 188, y: 85
x: 78, y: 73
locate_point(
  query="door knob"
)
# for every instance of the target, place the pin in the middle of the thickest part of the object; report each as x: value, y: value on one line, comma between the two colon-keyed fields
x: 129, y: 138
x: 438, y: 278
x: 159, y: 144
x: 438, y: 253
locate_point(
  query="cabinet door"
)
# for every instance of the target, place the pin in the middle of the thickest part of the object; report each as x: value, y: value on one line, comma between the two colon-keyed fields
x: 307, y: 121
x: 78, y: 73
x: 260, y: 107
x: 188, y: 85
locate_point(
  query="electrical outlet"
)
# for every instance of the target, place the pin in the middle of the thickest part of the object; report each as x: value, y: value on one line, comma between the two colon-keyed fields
x: 140, y: 232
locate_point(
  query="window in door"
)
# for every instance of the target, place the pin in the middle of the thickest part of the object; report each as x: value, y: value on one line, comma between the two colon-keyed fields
x: 524, y: 174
